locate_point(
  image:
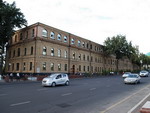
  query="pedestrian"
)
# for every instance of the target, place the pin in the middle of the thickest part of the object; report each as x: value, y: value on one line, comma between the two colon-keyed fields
x: 11, y: 76
x: 18, y: 77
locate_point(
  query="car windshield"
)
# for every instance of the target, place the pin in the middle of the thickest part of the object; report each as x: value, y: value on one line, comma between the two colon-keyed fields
x: 143, y: 71
x: 132, y: 76
x: 127, y: 73
x: 52, y: 75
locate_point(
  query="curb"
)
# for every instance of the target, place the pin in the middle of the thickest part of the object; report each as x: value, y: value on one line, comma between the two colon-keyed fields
x: 139, y: 105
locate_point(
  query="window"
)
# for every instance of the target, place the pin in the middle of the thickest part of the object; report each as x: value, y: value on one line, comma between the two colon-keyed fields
x: 87, y: 45
x: 24, y: 66
x: 88, y: 68
x: 26, y: 34
x: 83, y: 68
x: 10, y: 54
x: 13, y: 67
x: 83, y: 44
x: 17, y: 67
x: 32, y: 50
x: 52, y: 35
x: 21, y: 36
x: 44, y: 65
x: 59, y: 53
x: 72, y: 41
x: 65, y: 67
x: 79, y: 67
x: 52, y: 66
x: 30, y: 66
x: 83, y: 57
x: 91, y: 46
x: 65, y: 54
x: 65, y: 38
x: 95, y: 48
x: 58, y: 37
x: 79, y: 43
x: 59, y: 67
x: 44, y: 33
x: 79, y: 56
x: 33, y: 31
x: 88, y: 58
x: 14, y: 53
x: 91, y: 58
x: 73, y: 55
x: 25, y: 51
x: 44, y: 51
x: 92, y: 68
x: 15, y: 38
x: 52, y: 51
x: 9, y: 65
x: 18, y: 52
x: 95, y: 59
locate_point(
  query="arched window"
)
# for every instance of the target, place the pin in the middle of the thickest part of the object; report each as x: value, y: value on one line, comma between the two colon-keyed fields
x: 21, y: 36
x: 32, y: 50
x: 72, y: 41
x: 52, y: 35
x: 33, y: 32
x: 58, y: 37
x: 79, y: 43
x: 65, y: 38
x: 44, y: 33
x: 15, y: 38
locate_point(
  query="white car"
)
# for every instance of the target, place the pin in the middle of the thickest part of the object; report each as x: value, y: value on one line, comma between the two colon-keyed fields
x: 144, y: 73
x: 132, y: 78
x: 126, y: 74
x: 56, y: 79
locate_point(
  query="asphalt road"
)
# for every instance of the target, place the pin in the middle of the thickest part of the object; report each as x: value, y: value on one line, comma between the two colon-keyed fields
x: 86, y: 95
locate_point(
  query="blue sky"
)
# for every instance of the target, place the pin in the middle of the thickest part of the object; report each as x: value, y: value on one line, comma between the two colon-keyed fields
x: 93, y: 19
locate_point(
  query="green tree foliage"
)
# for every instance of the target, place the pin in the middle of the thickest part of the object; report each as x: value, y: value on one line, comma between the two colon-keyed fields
x: 118, y: 46
x: 144, y: 60
x: 10, y: 18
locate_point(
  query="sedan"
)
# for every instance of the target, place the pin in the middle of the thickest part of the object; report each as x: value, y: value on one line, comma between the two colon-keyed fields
x: 132, y: 78
x: 144, y: 73
x: 126, y: 74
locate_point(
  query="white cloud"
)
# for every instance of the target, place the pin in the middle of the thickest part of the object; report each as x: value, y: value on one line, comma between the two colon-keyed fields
x: 93, y: 19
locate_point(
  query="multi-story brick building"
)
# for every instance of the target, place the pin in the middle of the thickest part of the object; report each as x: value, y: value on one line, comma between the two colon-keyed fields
x: 40, y: 48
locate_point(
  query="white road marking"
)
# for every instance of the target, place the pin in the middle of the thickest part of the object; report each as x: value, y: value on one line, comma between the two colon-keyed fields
x: 21, y: 103
x: 42, y: 89
x: 66, y: 94
x: 3, y: 95
x: 92, y: 89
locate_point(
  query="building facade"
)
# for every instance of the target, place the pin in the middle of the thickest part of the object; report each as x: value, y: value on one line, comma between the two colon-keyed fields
x: 40, y: 48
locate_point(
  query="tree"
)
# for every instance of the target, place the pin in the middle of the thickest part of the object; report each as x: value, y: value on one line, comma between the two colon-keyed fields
x: 118, y: 46
x: 10, y: 18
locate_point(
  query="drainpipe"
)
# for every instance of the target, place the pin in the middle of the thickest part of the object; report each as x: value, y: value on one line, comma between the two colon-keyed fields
x: 69, y: 55
x: 35, y: 63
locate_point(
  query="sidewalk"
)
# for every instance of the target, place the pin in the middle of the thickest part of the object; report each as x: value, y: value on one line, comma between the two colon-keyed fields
x: 3, y: 82
x: 132, y: 103
x: 137, y: 107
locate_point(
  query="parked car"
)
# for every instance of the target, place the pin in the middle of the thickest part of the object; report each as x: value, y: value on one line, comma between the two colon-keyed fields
x: 144, y: 73
x: 132, y: 78
x: 126, y: 74
x: 56, y: 79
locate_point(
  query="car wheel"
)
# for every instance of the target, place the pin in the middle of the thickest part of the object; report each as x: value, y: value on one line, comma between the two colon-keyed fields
x: 67, y: 83
x: 53, y: 84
